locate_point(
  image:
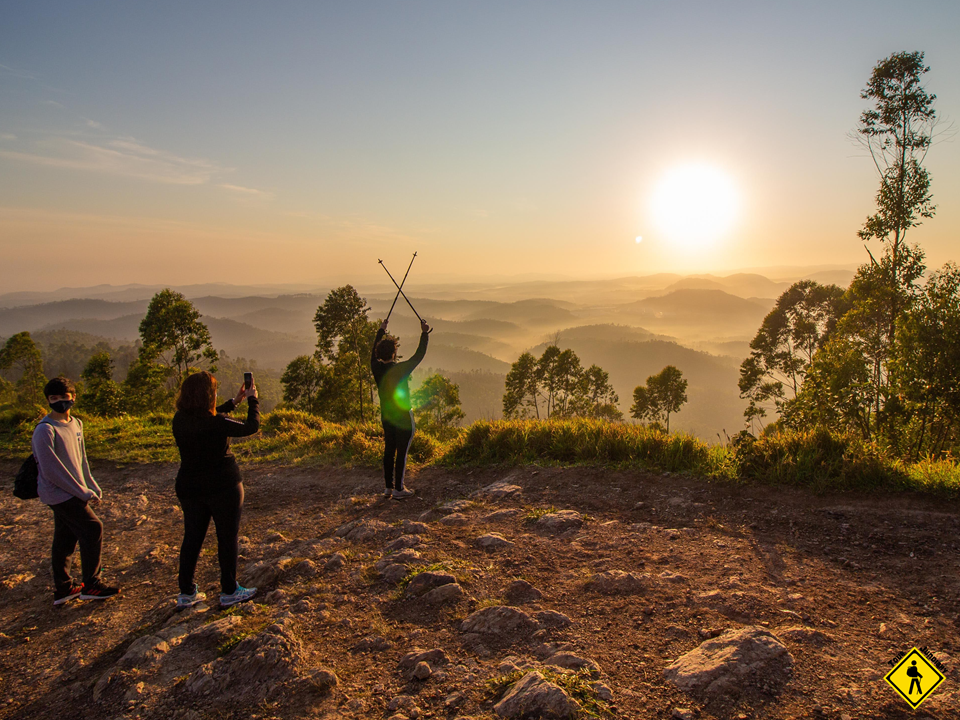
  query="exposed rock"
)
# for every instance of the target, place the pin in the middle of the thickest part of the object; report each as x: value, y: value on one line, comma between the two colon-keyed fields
x: 435, y: 657
x: 422, y: 671
x: 275, y: 597
x: 493, y: 541
x: 750, y: 658
x: 402, y: 542
x: 394, y: 573
x: 369, y: 529
x: 603, y: 692
x: 572, y: 661
x: 143, y: 652
x: 533, y: 696
x: 672, y: 577
x: 372, y: 643
x: 255, y: 665
x: 409, y: 527
x: 213, y: 634
x: 455, y: 519
x: 454, y: 506
x: 427, y: 581
x: 501, y: 515
x: 551, y: 620
x: 403, y: 557
x: 500, y: 620
x: 335, y: 562
x: 320, y: 681
x: 560, y: 521
x: 444, y: 595
x: 262, y: 574
x: 498, y: 490
x: 454, y: 700
x: 682, y: 714
x: 616, y: 582
x: 520, y: 592
x: 274, y: 536
x: 304, y: 569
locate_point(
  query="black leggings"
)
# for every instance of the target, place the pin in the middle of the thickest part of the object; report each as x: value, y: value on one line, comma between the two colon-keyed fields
x: 74, y: 522
x: 396, y: 443
x: 224, y: 507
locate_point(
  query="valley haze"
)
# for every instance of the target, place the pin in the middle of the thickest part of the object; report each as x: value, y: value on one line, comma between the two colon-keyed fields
x: 632, y: 327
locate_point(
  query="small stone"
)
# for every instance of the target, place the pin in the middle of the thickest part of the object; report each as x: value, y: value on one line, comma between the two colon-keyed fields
x: 422, y: 671
x: 493, y: 541
x: 560, y: 521
x: 426, y: 581
x: 403, y: 542
x: 455, y: 519
x: 274, y: 536
x: 321, y: 681
x: 520, y: 592
x: 551, y: 619
x: 444, y: 595
x: 682, y: 713
x: 394, y: 573
x: 616, y: 582
x: 335, y: 562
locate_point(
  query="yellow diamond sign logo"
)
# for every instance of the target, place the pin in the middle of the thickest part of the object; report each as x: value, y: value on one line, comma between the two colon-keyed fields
x: 914, y: 678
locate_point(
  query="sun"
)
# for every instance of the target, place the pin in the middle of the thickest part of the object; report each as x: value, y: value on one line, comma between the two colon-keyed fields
x: 694, y: 205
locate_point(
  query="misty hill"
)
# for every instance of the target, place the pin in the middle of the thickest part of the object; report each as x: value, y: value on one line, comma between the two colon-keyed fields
x: 715, y: 311
x: 458, y: 359
x: 744, y: 285
x: 33, y: 317
x: 608, y: 332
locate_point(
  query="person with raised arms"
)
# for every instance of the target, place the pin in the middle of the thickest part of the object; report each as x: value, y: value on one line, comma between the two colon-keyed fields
x: 393, y: 387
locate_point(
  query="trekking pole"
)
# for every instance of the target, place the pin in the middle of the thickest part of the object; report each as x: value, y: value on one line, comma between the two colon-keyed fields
x: 402, y: 282
x: 400, y: 290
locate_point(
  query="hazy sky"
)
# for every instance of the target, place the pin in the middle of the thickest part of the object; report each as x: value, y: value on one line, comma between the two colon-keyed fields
x: 182, y: 142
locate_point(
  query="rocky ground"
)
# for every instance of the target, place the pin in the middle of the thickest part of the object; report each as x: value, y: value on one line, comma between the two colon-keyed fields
x: 532, y: 592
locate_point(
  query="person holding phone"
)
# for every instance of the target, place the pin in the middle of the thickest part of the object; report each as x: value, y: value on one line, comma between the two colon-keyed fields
x: 393, y: 386
x: 208, y: 483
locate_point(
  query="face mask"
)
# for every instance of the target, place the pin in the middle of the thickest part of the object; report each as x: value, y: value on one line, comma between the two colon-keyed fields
x: 61, y: 406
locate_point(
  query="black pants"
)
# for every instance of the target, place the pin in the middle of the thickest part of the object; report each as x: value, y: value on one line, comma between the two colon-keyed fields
x: 396, y: 443
x: 224, y: 507
x: 75, y: 523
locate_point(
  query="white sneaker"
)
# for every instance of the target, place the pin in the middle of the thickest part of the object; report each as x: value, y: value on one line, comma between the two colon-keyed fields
x: 241, y: 594
x: 185, y: 601
x: 401, y: 494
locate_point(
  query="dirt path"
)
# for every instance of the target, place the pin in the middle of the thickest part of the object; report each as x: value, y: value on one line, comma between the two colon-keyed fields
x: 858, y: 579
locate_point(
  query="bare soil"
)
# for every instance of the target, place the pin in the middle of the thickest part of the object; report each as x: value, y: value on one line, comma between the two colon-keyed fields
x: 874, y: 575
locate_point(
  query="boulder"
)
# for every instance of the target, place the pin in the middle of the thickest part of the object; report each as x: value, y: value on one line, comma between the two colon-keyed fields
x: 552, y: 620
x: 572, y: 661
x: 144, y: 652
x: 402, y: 542
x: 533, y: 696
x: 447, y: 594
x: 493, y: 541
x: 426, y: 581
x: 520, y: 592
x: 500, y: 620
x: 560, y: 521
x: 750, y: 658
x: 394, y: 573
x: 261, y: 574
x: 616, y: 582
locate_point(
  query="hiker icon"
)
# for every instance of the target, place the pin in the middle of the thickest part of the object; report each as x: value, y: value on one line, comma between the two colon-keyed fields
x: 915, y: 677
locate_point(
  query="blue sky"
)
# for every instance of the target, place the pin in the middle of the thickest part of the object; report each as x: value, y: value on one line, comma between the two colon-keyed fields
x: 174, y: 142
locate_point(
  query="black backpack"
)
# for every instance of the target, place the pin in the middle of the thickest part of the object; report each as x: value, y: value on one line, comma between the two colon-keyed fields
x: 25, y: 483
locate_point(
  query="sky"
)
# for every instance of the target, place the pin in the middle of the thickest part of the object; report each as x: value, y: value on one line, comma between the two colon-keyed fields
x: 300, y: 142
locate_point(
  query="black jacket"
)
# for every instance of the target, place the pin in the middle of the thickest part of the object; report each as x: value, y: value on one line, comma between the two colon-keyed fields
x: 206, y: 463
x: 393, y: 383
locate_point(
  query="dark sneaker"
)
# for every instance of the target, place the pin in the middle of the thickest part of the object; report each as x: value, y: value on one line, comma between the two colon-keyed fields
x: 241, y: 594
x: 402, y: 494
x: 59, y: 598
x: 98, y: 591
x: 388, y: 492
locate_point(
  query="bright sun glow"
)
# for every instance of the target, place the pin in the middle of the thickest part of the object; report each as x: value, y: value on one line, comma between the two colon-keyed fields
x: 694, y: 205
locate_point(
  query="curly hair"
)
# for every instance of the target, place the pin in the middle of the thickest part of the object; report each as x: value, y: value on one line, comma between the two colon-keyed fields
x: 198, y: 392
x: 386, y: 350
x: 59, y: 386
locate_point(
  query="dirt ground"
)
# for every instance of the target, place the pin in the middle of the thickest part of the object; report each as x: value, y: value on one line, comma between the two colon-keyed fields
x: 872, y: 575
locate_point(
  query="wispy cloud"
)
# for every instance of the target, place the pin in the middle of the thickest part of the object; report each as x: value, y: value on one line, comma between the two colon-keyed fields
x: 249, y: 192
x: 51, y: 103
x: 93, y: 124
x: 118, y: 157
x: 7, y: 70
x: 7, y: 136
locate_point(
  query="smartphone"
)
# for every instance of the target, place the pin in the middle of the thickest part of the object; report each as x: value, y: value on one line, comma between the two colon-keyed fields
x: 248, y: 380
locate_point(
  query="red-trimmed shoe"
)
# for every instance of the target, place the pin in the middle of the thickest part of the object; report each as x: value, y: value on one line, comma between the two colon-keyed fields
x: 98, y: 591
x: 59, y: 598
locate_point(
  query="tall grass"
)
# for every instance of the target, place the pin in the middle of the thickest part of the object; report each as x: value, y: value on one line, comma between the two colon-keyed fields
x: 817, y: 459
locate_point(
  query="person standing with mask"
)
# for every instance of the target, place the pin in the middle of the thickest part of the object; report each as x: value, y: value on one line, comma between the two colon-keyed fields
x: 66, y: 484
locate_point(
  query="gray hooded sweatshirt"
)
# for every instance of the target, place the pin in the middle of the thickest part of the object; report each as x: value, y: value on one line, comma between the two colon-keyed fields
x: 62, y: 461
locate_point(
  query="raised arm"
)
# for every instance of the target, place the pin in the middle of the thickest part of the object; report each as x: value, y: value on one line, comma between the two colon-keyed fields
x: 373, y: 350
x: 411, y: 364
x: 235, y: 428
